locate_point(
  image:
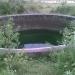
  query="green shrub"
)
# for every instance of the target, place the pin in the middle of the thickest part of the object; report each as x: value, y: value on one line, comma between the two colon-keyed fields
x: 20, y: 64
x: 5, y: 8
x: 6, y: 72
x: 69, y: 34
x: 17, y: 63
x: 8, y: 37
x: 10, y: 8
x: 65, y: 63
x: 65, y: 9
x: 33, y: 7
x: 17, y: 8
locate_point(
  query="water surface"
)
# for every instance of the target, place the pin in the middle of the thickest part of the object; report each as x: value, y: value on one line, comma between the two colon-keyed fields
x: 40, y: 36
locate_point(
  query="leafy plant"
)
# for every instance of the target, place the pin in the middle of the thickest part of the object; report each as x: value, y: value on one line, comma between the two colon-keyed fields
x: 65, y: 64
x: 8, y: 37
x: 11, y: 8
x: 7, y: 72
x: 69, y: 34
x: 65, y: 9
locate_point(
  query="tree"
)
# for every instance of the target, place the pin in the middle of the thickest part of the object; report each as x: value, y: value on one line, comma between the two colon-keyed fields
x: 8, y: 37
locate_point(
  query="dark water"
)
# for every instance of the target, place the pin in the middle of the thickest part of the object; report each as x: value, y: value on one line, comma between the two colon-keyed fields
x: 40, y: 36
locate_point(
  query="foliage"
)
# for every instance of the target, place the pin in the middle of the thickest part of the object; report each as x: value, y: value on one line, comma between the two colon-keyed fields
x: 8, y: 37
x: 33, y: 7
x: 17, y: 63
x: 20, y: 64
x: 65, y: 9
x: 65, y: 64
x: 57, y: 63
x: 69, y: 34
x: 22, y: 6
x: 7, y: 72
x: 10, y: 8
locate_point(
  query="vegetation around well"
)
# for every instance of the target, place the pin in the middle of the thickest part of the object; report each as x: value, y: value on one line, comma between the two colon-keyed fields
x: 53, y: 63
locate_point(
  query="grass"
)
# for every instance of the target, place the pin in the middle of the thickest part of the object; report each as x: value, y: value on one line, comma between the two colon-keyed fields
x: 65, y: 9
x: 23, y: 65
x: 55, y: 63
